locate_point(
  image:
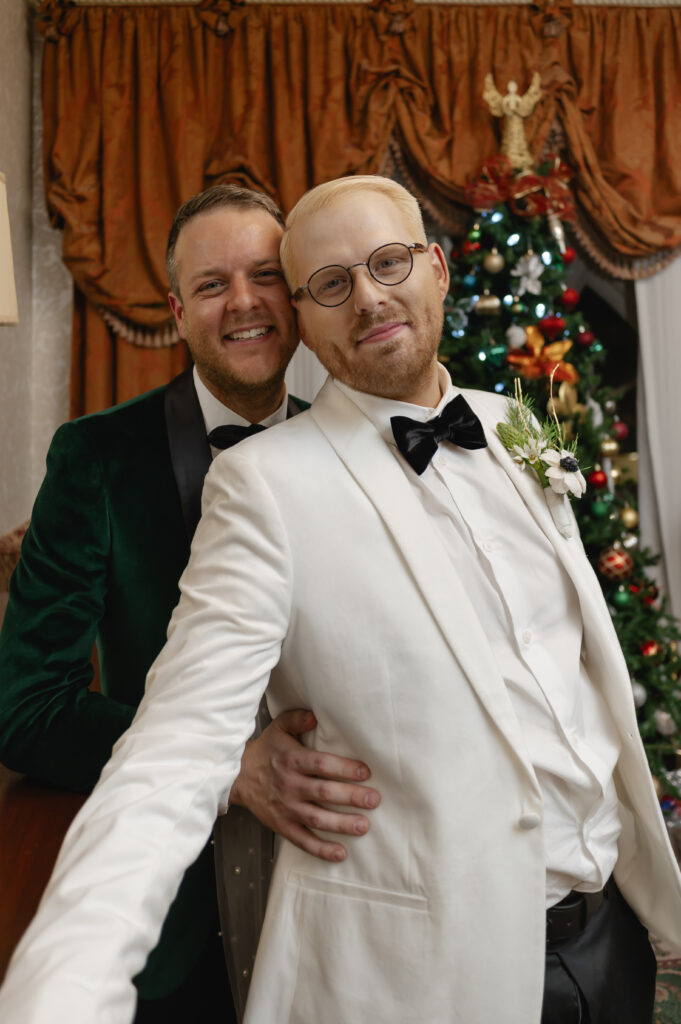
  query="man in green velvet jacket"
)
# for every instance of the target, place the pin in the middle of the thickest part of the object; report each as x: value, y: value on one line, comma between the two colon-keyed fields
x: 109, y: 538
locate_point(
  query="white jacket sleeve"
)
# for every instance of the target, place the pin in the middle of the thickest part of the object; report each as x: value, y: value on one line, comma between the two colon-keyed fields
x: 155, y: 803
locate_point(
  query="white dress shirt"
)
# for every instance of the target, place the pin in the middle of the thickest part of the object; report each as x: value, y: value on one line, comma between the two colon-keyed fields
x: 530, y: 613
x: 215, y: 414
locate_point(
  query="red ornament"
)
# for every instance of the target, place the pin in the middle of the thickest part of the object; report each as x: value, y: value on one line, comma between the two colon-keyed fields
x: 620, y: 431
x: 570, y: 298
x: 615, y: 563
x: 585, y: 338
x: 597, y: 478
x: 650, y: 649
x: 551, y: 326
x: 569, y: 256
x: 469, y: 247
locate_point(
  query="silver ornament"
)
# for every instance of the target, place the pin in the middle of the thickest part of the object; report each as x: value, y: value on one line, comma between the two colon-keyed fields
x: 557, y: 230
x: 640, y: 694
x: 664, y: 723
x: 515, y: 336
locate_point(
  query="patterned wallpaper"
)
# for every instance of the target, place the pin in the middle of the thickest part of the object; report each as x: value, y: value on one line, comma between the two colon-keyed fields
x: 52, y: 308
x: 15, y: 341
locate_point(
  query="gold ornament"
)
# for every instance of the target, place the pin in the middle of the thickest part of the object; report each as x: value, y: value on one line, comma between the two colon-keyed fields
x: 494, y: 262
x: 659, y: 791
x: 566, y: 404
x: 609, y: 447
x: 487, y: 305
x: 615, y: 474
x: 629, y: 517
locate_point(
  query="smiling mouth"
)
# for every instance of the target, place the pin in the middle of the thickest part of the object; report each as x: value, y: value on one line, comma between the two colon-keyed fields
x: 249, y: 334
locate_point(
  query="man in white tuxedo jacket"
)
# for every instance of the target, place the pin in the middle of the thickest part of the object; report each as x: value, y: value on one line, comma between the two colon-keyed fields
x: 441, y: 620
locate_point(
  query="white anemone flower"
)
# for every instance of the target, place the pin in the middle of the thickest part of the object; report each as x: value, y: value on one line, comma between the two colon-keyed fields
x: 563, y: 472
x: 528, y: 453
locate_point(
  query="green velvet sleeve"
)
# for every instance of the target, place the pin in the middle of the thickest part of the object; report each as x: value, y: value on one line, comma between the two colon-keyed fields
x: 52, y: 727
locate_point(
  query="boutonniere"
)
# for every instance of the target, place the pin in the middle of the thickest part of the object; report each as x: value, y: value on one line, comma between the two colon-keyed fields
x: 542, y: 447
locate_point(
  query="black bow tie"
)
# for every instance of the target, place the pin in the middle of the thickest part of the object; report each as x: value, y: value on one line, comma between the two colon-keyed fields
x: 231, y: 433
x: 418, y: 441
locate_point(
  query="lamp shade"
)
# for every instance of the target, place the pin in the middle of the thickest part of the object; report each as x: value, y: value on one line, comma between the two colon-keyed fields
x: 9, y: 313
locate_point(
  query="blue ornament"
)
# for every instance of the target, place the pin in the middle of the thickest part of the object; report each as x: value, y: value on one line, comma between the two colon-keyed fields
x: 469, y: 280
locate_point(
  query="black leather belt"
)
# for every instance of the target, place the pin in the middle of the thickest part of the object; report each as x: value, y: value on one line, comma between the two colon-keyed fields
x: 570, y: 917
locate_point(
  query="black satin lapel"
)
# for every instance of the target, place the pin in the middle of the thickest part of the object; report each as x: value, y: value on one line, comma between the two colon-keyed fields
x: 189, y: 448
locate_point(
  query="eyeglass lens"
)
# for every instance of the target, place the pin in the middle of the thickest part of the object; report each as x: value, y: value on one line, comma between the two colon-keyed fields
x: 389, y: 265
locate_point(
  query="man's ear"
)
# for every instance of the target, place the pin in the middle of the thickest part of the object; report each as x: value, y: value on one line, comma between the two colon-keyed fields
x: 438, y: 261
x: 178, y: 312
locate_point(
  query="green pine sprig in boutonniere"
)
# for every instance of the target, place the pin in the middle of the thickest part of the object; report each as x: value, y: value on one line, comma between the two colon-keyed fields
x: 541, y: 446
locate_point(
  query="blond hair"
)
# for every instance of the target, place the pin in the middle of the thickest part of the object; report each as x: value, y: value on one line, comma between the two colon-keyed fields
x: 325, y: 195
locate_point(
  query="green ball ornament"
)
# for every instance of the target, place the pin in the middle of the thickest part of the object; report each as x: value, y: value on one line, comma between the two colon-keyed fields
x: 474, y: 234
x: 621, y: 597
x: 599, y: 509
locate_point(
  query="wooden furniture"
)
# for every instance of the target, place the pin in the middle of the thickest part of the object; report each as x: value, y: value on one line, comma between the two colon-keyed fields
x: 33, y: 821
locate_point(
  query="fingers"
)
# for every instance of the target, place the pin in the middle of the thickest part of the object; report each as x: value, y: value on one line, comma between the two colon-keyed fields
x: 323, y: 765
x: 312, y: 844
x: 341, y: 794
x: 321, y: 819
x: 295, y: 722
x: 313, y: 762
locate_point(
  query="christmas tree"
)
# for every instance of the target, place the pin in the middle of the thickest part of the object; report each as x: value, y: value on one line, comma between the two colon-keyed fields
x: 510, y: 314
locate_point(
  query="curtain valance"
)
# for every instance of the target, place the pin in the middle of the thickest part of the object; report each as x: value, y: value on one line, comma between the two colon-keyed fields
x: 145, y: 105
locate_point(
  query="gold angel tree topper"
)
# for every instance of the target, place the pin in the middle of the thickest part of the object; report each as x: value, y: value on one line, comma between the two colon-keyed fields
x: 514, y: 109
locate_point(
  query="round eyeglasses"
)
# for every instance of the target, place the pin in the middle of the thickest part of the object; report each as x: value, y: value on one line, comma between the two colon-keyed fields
x: 389, y: 265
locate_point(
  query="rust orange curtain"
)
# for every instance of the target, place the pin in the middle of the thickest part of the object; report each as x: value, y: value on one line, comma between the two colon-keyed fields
x: 107, y: 369
x: 144, y: 106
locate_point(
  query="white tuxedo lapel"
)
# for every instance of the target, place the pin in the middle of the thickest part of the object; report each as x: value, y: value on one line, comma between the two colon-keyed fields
x: 599, y: 635
x: 375, y: 470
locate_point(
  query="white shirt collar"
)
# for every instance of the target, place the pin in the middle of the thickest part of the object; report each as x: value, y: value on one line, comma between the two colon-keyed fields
x: 215, y: 414
x: 380, y: 410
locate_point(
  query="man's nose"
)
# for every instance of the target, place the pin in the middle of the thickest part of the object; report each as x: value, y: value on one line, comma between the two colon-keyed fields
x: 241, y: 295
x: 367, y: 293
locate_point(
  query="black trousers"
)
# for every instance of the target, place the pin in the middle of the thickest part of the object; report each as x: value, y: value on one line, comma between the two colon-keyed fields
x: 204, y: 996
x: 606, y: 975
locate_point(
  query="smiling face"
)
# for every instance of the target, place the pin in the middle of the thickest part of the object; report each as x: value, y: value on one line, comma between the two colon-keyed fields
x: 233, y: 309
x: 382, y: 340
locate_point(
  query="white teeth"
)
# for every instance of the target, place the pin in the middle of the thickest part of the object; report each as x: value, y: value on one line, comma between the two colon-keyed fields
x: 255, y: 332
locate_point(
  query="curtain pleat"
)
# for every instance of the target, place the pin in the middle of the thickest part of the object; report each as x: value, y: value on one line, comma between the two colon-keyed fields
x: 107, y: 369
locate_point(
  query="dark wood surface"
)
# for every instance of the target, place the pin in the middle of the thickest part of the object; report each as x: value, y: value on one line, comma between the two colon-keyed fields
x: 33, y: 821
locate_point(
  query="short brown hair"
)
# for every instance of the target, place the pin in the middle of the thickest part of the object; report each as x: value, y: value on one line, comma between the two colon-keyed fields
x: 212, y: 198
